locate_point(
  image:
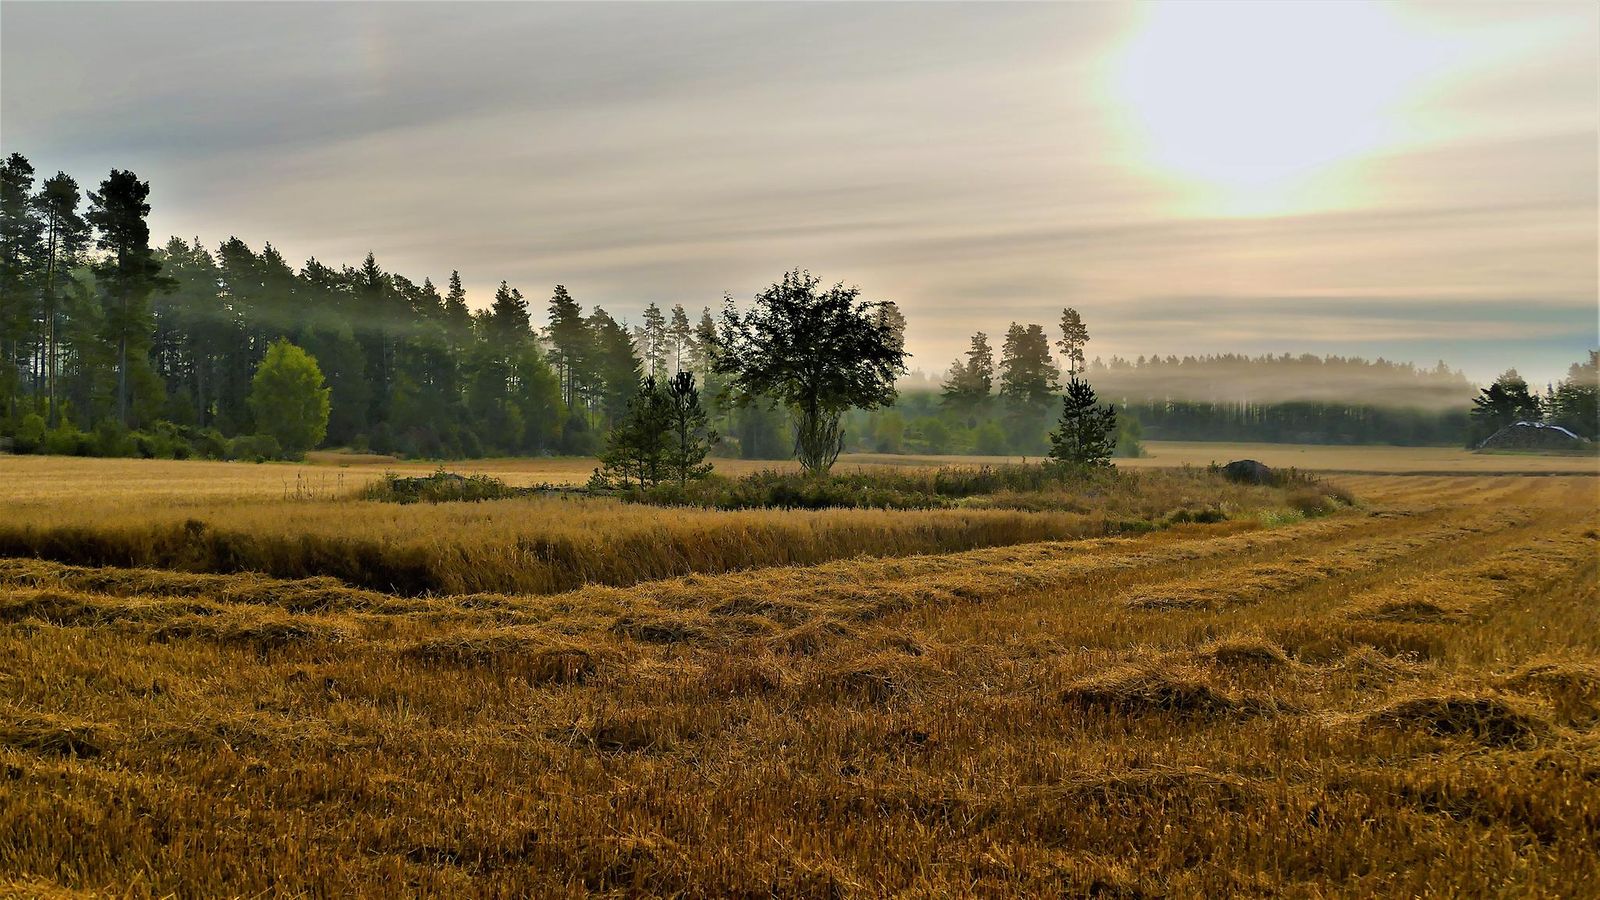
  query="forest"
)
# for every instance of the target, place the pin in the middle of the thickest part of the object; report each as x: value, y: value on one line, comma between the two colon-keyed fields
x: 110, y: 346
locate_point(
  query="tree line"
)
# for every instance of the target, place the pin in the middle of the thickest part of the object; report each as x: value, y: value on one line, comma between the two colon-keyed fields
x: 109, y: 345
x: 1573, y: 403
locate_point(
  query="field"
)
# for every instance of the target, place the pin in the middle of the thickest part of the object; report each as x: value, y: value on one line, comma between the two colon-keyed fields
x: 1399, y: 698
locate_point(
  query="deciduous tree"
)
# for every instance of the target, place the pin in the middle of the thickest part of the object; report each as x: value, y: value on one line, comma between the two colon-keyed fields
x: 819, y: 351
x: 288, y: 398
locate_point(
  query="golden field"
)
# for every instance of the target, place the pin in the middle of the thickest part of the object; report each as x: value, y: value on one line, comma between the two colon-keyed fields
x: 1401, y: 698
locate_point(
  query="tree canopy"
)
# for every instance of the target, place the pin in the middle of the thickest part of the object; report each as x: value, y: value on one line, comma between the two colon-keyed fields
x: 819, y: 351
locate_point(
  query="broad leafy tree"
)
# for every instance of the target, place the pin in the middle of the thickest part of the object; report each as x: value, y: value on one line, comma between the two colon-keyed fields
x: 288, y: 398
x: 819, y: 351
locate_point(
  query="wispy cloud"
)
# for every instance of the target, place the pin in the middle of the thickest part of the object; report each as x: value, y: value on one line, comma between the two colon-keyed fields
x: 963, y: 160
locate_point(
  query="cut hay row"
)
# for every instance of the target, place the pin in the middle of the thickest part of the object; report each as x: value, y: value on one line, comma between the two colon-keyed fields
x: 788, y: 732
x: 1247, y: 585
x: 1455, y: 593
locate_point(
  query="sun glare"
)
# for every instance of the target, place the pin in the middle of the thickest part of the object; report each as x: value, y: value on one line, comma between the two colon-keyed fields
x: 1255, y: 106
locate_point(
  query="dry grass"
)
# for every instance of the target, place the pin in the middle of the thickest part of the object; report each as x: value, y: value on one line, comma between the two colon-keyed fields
x: 1399, y: 700
x: 541, y: 544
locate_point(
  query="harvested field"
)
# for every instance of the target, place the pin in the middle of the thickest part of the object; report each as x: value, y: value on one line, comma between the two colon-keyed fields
x: 1399, y: 699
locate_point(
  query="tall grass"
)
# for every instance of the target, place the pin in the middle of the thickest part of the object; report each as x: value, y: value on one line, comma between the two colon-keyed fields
x: 543, y: 544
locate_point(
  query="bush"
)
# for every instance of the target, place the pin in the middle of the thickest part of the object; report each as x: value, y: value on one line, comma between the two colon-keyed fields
x: 254, y: 448
x: 914, y: 489
x: 439, y: 487
x: 66, y: 440
x: 30, y: 434
x: 991, y: 440
x: 111, y: 439
x: 210, y: 443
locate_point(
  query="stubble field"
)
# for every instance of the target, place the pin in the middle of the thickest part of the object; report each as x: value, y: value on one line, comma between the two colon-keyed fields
x: 1400, y: 698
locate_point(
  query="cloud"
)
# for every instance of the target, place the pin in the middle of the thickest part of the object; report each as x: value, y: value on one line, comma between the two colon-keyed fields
x: 959, y: 159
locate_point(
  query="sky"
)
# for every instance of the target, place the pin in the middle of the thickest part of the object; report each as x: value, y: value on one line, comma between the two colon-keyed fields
x: 1409, y: 181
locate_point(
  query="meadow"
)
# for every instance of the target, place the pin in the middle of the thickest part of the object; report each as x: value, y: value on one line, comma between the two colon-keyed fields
x: 1399, y: 697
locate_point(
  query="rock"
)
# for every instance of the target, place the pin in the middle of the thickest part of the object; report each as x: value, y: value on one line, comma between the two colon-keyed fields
x: 1248, y: 471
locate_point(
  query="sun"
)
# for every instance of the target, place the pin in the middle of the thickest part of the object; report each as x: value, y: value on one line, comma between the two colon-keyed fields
x: 1251, y: 103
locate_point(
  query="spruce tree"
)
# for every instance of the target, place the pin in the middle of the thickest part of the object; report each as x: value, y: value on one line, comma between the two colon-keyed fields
x: 1086, y: 435
x: 689, y: 436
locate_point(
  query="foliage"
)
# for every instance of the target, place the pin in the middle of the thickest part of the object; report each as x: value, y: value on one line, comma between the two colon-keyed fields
x: 289, y: 399
x: 439, y: 487
x: 1086, y: 436
x: 1575, y: 403
x: 664, y: 437
x: 1505, y: 401
x: 817, y: 351
x: 1074, y: 337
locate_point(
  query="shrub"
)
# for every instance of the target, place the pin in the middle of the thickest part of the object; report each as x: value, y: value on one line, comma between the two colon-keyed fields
x: 439, y: 487
x: 66, y: 440
x: 210, y: 443
x: 111, y: 439
x: 254, y: 448
x: 30, y: 434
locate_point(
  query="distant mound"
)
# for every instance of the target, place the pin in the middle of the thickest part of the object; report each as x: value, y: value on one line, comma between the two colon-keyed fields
x: 1533, y: 436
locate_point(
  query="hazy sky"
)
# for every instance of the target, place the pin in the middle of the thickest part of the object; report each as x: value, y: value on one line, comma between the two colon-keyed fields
x: 1414, y: 181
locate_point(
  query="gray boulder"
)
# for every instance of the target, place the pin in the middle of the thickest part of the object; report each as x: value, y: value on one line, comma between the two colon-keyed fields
x: 1248, y: 471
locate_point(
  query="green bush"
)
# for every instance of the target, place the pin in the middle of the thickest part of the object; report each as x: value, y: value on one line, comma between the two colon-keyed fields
x: 254, y: 448
x: 66, y: 440
x: 30, y: 434
x: 111, y: 439
x: 209, y: 443
x: 439, y: 487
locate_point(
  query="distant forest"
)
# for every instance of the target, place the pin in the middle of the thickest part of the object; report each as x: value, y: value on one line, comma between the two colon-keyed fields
x: 110, y: 346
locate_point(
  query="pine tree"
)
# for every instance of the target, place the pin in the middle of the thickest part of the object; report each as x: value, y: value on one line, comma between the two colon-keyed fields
x: 569, y: 343
x: 66, y: 237
x: 130, y: 275
x: 20, y: 254
x: 653, y: 344
x: 1575, y: 402
x: 969, y: 384
x: 1074, y: 336
x: 1502, y: 403
x: 680, y: 337
x: 1086, y: 435
x: 1027, y: 380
